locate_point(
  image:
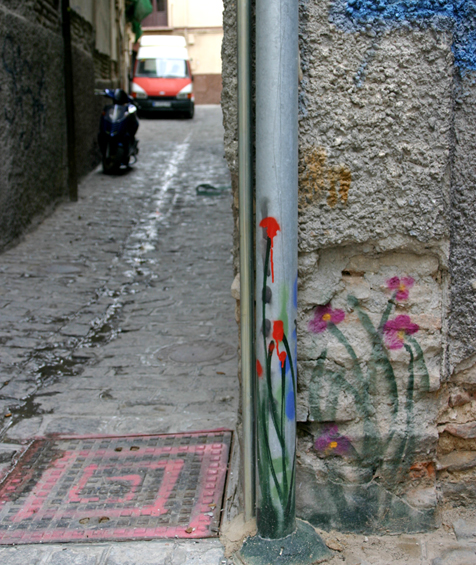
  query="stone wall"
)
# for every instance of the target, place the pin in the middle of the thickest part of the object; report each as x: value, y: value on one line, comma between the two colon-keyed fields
x: 32, y: 138
x: 33, y: 168
x: 87, y: 106
x: 386, y: 354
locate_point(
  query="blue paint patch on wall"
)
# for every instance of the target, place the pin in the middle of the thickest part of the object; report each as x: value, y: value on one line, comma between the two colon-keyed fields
x: 456, y: 16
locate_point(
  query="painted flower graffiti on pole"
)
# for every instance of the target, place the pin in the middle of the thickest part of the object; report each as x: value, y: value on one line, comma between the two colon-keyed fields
x: 276, y: 401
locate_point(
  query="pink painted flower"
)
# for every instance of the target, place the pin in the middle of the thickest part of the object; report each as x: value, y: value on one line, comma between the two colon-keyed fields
x: 396, y: 330
x: 323, y: 315
x: 331, y: 442
x: 401, y: 285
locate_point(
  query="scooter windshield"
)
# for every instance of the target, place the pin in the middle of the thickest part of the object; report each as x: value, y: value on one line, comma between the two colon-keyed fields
x: 116, y: 113
x: 162, y: 68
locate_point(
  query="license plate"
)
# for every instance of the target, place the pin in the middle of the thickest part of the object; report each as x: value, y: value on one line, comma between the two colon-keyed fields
x: 159, y: 104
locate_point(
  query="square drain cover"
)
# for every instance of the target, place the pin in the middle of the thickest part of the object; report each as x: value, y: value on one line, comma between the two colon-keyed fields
x: 116, y: 488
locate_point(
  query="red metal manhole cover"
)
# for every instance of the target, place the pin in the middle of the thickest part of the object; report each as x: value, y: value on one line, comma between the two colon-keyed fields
x: 116, y: 488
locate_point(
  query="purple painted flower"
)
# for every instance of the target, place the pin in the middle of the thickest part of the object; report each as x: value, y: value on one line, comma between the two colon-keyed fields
x: 323, y: 315
x: 332, y: 443
x: 401, y: 285
x: 396, y: 330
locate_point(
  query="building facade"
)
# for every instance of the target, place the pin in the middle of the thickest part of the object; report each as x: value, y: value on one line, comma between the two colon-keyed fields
x: 201, y: 25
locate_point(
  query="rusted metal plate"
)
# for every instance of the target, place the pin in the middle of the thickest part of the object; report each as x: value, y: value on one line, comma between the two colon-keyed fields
x: 116, y: 488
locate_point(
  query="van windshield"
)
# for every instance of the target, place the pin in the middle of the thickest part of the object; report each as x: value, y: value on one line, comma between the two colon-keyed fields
x: 162, y: 68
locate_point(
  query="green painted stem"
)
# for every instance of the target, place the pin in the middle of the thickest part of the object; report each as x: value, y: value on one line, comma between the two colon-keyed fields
x: 283, y: 421
x: 272, y: 402
x: 379, y: 354
x: 268, y: 461
x: 420, y: 363
x: 407, y: 444
x: 371, y: 434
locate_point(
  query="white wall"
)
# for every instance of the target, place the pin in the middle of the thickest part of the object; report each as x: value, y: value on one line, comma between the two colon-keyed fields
x: 205, y: 52
x: 195, y: 13
x: 85, y: 8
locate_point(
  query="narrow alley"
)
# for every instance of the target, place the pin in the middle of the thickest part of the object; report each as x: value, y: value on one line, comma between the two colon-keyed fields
x: 116, y: 317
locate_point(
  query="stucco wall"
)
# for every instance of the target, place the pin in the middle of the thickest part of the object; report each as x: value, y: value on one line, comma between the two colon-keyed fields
x: 386, y: 259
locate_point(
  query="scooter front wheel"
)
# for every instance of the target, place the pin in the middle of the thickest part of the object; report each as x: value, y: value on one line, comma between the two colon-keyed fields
x: 112, y: 160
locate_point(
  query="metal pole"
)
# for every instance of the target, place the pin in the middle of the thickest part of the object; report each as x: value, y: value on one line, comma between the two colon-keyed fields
x: 276, y: 262
x: 246, y: 256
x: 281, y: 538
x: 69, y: 102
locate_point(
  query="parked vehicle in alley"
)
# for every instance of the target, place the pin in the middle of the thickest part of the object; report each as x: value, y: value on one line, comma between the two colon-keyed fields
x: 117, y: 131
x: 163, y: 80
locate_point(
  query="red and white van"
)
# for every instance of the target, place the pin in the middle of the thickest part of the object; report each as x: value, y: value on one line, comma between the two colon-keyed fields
x: 162, y: 80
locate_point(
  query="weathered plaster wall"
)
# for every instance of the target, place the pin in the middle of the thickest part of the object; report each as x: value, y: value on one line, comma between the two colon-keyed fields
x: 230, y: 108
x: 387, y: 273
x: 376, y: 135
x: 457, y: 420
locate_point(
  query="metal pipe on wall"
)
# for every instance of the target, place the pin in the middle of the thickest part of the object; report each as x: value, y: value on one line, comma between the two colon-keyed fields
x: 69, y: 101
x: 281, y: 538
x: 276, y: 262
x: 246, y: 255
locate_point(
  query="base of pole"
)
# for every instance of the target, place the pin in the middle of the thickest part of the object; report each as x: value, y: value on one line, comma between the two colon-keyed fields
x: 303, y: 547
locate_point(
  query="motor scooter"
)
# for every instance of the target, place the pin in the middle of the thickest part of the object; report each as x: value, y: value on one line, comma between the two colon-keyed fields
x: 117, y: 130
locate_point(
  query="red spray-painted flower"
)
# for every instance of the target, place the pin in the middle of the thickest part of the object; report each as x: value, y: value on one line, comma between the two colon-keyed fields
x: 272, y: 228
x: 323, y: 315
x: 401, y: 285
x: 278, y: 335
x: 278, y: 330
x: 259, y: 368
x: 396, y: 330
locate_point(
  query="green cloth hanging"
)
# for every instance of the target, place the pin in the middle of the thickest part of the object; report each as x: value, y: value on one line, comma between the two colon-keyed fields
x: 136, y: 11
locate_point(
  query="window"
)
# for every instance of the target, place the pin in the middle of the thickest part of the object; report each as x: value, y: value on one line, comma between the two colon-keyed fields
x: 158, y: 18
x: 162, y: 68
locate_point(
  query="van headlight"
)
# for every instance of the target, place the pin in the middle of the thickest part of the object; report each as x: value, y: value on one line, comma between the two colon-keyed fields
x: 137, y: 91
x: 185, y: 93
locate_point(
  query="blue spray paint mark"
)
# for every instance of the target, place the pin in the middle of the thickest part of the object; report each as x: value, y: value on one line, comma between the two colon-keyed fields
x: 456, y: 16
x: 290, y: 410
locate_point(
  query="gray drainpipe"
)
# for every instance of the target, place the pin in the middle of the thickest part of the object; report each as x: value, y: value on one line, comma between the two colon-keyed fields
x: 276, y: 260
x: 281, y: 538
x: 246, y: 255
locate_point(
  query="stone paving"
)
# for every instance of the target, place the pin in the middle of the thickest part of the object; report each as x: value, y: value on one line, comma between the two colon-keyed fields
x: 116, y: 317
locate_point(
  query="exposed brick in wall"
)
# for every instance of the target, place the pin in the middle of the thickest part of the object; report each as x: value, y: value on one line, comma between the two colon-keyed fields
x: 207, y: 89
x: 48, y: 14
x: 82, y: 33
